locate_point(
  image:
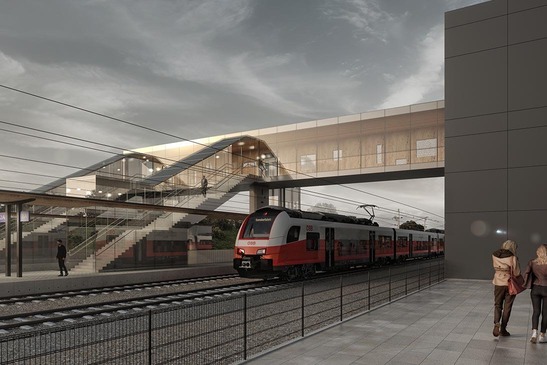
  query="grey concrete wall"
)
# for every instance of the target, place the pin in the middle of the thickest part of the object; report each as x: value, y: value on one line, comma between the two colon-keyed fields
x: 199, y: 257
x: 496, y: 132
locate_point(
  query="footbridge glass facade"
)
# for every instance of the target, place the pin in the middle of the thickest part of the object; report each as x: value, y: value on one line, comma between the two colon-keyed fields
x: 141, y: 208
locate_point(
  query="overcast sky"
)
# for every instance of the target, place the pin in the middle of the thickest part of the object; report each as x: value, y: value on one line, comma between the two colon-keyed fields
x: 198, y: 68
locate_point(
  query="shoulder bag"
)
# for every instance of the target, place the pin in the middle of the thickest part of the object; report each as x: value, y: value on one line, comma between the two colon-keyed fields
x: 515, y: 283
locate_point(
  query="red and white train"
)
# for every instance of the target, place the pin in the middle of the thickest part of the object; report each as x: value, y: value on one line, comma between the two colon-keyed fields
x: 292, y: 244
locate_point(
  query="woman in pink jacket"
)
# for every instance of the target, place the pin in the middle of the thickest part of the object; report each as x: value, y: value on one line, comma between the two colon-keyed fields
x: 504, y: 260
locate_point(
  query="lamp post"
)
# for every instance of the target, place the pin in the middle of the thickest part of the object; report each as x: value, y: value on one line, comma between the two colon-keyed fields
x: 240, y: 144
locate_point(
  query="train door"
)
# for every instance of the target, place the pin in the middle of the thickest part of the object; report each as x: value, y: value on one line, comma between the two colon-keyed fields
x: 372, y: 240
x: 410, y: 244
x: 329, y: 247
x: 398, y: 244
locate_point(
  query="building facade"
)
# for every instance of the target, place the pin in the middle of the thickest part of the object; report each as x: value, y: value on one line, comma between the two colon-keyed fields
x: 496, y: 127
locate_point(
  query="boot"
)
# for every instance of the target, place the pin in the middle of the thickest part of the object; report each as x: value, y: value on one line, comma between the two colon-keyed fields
x: 496, y: 331
x: 503, y: 332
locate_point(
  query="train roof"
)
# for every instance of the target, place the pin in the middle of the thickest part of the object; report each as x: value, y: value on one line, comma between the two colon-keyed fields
x: 322, y: 216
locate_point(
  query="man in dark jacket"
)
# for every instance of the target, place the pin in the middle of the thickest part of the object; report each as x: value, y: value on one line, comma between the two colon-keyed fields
x: 204, y: 186
x: 61, y: 256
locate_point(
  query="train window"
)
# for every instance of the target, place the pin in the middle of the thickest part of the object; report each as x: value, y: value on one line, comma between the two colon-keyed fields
x: 312, y: 241
x: 384, y: 241
x: 294, y: 233
x: 363, y: 246
x: 259, y: 225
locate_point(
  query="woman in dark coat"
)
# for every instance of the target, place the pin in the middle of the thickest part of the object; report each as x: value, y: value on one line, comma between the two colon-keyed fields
x: 535, y: 278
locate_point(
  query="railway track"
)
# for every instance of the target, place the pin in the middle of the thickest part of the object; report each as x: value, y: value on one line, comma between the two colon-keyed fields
x: 34, y: 319
x: 31, y: 312
x: 112, y: 289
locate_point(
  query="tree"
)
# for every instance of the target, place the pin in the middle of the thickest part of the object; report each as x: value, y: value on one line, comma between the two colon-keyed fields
x: 324, y: 207
x: 224, y: 232
x: 412, y: 225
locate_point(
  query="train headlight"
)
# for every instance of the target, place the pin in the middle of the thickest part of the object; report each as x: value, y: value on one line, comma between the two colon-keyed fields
x: 240, y: 251
x: 261, y: 251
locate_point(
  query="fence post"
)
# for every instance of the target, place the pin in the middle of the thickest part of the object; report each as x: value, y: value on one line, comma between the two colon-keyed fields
x: 441, y: 276
x: 419, y: 277
x: 368, y: 290
x: 389, y: 295
x: 303, y: 326
x: 245, y: 326
x: 429, y: 273
x: 150, y: 337
x: 406, y: 280
x: 341, y: 299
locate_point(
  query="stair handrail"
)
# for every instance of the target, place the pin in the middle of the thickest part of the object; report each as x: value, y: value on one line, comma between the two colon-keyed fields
x: 229, y: 177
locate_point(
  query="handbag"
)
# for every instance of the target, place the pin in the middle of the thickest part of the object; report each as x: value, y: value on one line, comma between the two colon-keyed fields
x: 515, y: 283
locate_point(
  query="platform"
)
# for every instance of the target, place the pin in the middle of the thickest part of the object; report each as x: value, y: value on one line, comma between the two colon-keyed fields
x: 39, y: 282
x: 449, y: 323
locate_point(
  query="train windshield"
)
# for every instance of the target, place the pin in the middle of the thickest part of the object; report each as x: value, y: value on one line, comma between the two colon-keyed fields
x: 259, y: 224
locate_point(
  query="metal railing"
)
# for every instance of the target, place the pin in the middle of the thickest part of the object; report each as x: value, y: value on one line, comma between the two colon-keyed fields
x: 223, y: 329
x: 178, y: 198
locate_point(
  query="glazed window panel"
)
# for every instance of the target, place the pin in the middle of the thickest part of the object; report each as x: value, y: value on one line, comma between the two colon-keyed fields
x: 327, y: 132
x: 379, y: 154
x: 364, y: 246
x: 402, y: 242
x: 426, y: 148
x: 312, y: 241
x: 307, y: 163
x: 325, y: 149
x: 293, y: 234
x: 384, y: 241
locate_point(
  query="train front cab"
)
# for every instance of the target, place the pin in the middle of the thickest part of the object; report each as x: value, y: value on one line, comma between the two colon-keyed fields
x: 253, y: 252
x: 271, y: 244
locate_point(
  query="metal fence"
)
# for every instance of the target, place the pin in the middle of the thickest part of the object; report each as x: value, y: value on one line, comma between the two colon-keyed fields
x: 223, y: 329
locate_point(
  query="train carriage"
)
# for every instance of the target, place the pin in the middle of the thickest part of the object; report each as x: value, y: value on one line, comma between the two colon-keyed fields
x: 287, y: 243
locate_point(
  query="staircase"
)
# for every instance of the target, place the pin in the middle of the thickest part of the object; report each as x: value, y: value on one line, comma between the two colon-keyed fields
x: 98, y: 260
x: 44, y: 228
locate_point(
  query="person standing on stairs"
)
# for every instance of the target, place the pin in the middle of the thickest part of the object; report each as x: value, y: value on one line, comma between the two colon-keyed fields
x: 204, y: 186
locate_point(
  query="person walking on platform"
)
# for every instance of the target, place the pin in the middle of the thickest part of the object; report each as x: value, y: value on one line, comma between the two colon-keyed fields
x: 61, y: 257
x: 535, y: 277
x: 505, y: 261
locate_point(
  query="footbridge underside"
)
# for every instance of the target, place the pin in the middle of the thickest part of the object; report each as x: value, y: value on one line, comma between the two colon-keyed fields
x: 280, y: 182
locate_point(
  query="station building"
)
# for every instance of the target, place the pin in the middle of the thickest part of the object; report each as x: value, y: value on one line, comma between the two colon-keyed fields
x: 487, y: 142
x: 496, y: 127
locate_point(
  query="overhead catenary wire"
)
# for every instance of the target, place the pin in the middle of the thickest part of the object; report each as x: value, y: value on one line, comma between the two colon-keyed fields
x: 78, y: 167
x: 179, y: 138
x: 200, y: 169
